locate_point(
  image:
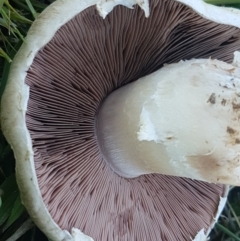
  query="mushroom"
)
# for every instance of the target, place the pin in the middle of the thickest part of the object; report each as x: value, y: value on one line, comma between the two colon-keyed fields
x: 77, y: 53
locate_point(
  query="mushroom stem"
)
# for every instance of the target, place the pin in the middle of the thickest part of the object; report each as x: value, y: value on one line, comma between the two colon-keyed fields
x: 182, y: 120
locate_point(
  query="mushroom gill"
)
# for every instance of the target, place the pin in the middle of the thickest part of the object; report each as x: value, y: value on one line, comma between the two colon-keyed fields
x: 86, y: 60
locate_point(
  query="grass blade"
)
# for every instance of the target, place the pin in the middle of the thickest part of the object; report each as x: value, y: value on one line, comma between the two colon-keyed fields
x: 31, y: 8
x: 222, y: 2
x: 28, y: 224
x: 6, y: 69
x: 16, y: 212
x: 1, y: 4
x: 227, y: 231
x: 4, y: 55
x: 9, y: 196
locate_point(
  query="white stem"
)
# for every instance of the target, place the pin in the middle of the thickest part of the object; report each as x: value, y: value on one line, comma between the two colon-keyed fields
x: 182, y: 120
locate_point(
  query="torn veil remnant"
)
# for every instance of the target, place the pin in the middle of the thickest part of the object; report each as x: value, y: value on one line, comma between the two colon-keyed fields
x: 65, y: 69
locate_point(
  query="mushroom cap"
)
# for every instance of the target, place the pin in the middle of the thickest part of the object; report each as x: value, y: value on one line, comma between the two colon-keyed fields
x: 28, y: 78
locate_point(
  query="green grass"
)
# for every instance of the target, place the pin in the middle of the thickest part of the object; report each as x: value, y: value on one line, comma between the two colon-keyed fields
x: 231, y: 3
x: 16, y: 16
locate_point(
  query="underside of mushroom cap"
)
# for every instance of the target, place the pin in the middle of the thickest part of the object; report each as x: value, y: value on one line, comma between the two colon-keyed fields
x: 63, y: 179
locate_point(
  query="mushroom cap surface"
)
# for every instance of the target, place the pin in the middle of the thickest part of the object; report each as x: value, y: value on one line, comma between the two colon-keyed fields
x: 58, y: 55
